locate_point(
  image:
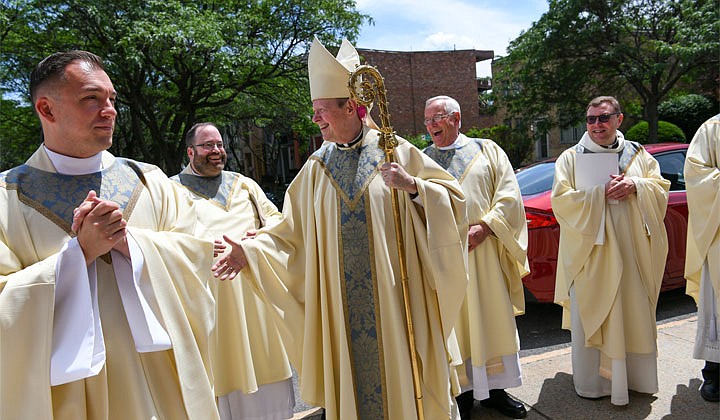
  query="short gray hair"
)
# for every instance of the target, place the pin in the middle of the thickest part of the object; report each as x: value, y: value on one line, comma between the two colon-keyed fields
x: 450, y: 104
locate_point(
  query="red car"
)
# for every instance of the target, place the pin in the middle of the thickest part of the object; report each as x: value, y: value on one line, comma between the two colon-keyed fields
x: 544, y: 232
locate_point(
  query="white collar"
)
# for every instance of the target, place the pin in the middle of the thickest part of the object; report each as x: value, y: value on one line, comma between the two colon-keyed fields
x: 67, y: 165
x: 459, y: 142
x: 589, y: 144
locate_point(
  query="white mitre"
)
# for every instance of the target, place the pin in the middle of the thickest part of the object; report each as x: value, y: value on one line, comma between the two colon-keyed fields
x: 329, y: 75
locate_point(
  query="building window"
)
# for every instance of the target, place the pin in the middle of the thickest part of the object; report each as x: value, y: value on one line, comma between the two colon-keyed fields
x: 541, y: 146
x: 572, y: 134
x: 291, y: 158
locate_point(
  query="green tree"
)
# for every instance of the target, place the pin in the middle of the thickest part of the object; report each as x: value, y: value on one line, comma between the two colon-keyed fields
x: 175, y: 62
x: 514, y: 141
x: 666, y: 132
x: 19, y: 125
x: 687, y: 112
x: 580, y: 49
x: 420, y: 141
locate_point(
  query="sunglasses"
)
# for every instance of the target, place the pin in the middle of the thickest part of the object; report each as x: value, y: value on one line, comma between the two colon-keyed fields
x: 602, y: 118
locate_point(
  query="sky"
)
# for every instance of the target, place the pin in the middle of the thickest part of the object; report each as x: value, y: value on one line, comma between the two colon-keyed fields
x: 434, y: 25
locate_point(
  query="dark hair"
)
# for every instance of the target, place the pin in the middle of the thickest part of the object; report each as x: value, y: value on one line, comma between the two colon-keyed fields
x: 52, y: 68
x: 190, y: 136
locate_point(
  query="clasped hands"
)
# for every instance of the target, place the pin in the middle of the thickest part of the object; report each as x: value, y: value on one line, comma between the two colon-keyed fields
x: 619, y: 187
x: 100, y: 227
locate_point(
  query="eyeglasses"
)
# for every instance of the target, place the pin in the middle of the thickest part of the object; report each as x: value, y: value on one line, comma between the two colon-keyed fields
x: 602, y: 118
x: 436, y: 118
x: 210, y: 145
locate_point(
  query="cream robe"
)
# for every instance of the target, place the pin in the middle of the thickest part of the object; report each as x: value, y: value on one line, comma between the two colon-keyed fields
x: 702, y: 181
x: 175, y: 383
x: 486, y: 328
x: 247, y: 348
x: 627, y: 268
x: 299, y: 266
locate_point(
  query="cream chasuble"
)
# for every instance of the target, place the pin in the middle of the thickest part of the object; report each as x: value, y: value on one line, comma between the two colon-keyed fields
x: 702, y: 180
x: 486, y: 328
x: 247, y: 350
x: 34, y: 227
x: 330, y: 269
x: 702, y: 259
x: 616, y: 284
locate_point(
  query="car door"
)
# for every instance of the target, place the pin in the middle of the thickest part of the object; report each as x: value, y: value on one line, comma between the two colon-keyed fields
x: 671, y: 168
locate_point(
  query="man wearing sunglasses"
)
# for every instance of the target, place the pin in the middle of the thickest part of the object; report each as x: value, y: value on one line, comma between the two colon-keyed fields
x: 613, y: 246
x: 250, y: 366
x: 497, y: 260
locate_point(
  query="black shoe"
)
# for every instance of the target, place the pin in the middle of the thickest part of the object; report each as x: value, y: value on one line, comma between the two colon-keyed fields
x: 709, y: 389
x: 502, y: 402
x: 465, y: 402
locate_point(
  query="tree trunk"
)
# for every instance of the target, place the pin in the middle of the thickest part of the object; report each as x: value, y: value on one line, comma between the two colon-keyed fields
x: 651, y: 111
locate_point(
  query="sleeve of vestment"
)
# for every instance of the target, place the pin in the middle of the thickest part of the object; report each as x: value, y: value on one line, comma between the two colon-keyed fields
x: 178, y: 257
x: 26, y: 310
x: 506, y: 218
x: 702, y: 181
x: 269, y: 211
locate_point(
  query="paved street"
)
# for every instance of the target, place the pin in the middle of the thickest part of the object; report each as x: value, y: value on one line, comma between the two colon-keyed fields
x: 548, y: 390
x: 547, y: 375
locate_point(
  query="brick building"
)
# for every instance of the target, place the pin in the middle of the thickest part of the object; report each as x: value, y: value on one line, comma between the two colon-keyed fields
x: 412, y: 77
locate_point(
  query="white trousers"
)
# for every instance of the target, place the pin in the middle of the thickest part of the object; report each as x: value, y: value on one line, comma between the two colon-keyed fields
x: 637, y: 371
x: 707, y: 346
x: 481, y: 383
x: 273, y: 401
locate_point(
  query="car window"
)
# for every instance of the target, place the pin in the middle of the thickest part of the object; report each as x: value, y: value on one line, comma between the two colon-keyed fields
x: 536, y: 179
x: 671, y: 168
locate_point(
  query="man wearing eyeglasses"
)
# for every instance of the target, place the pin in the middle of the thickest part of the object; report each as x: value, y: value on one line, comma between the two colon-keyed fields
x: 497, y: 260
x: 611, y: 259
x: 702, y: 261
x: 331, y: 266
x: 250, y: 366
